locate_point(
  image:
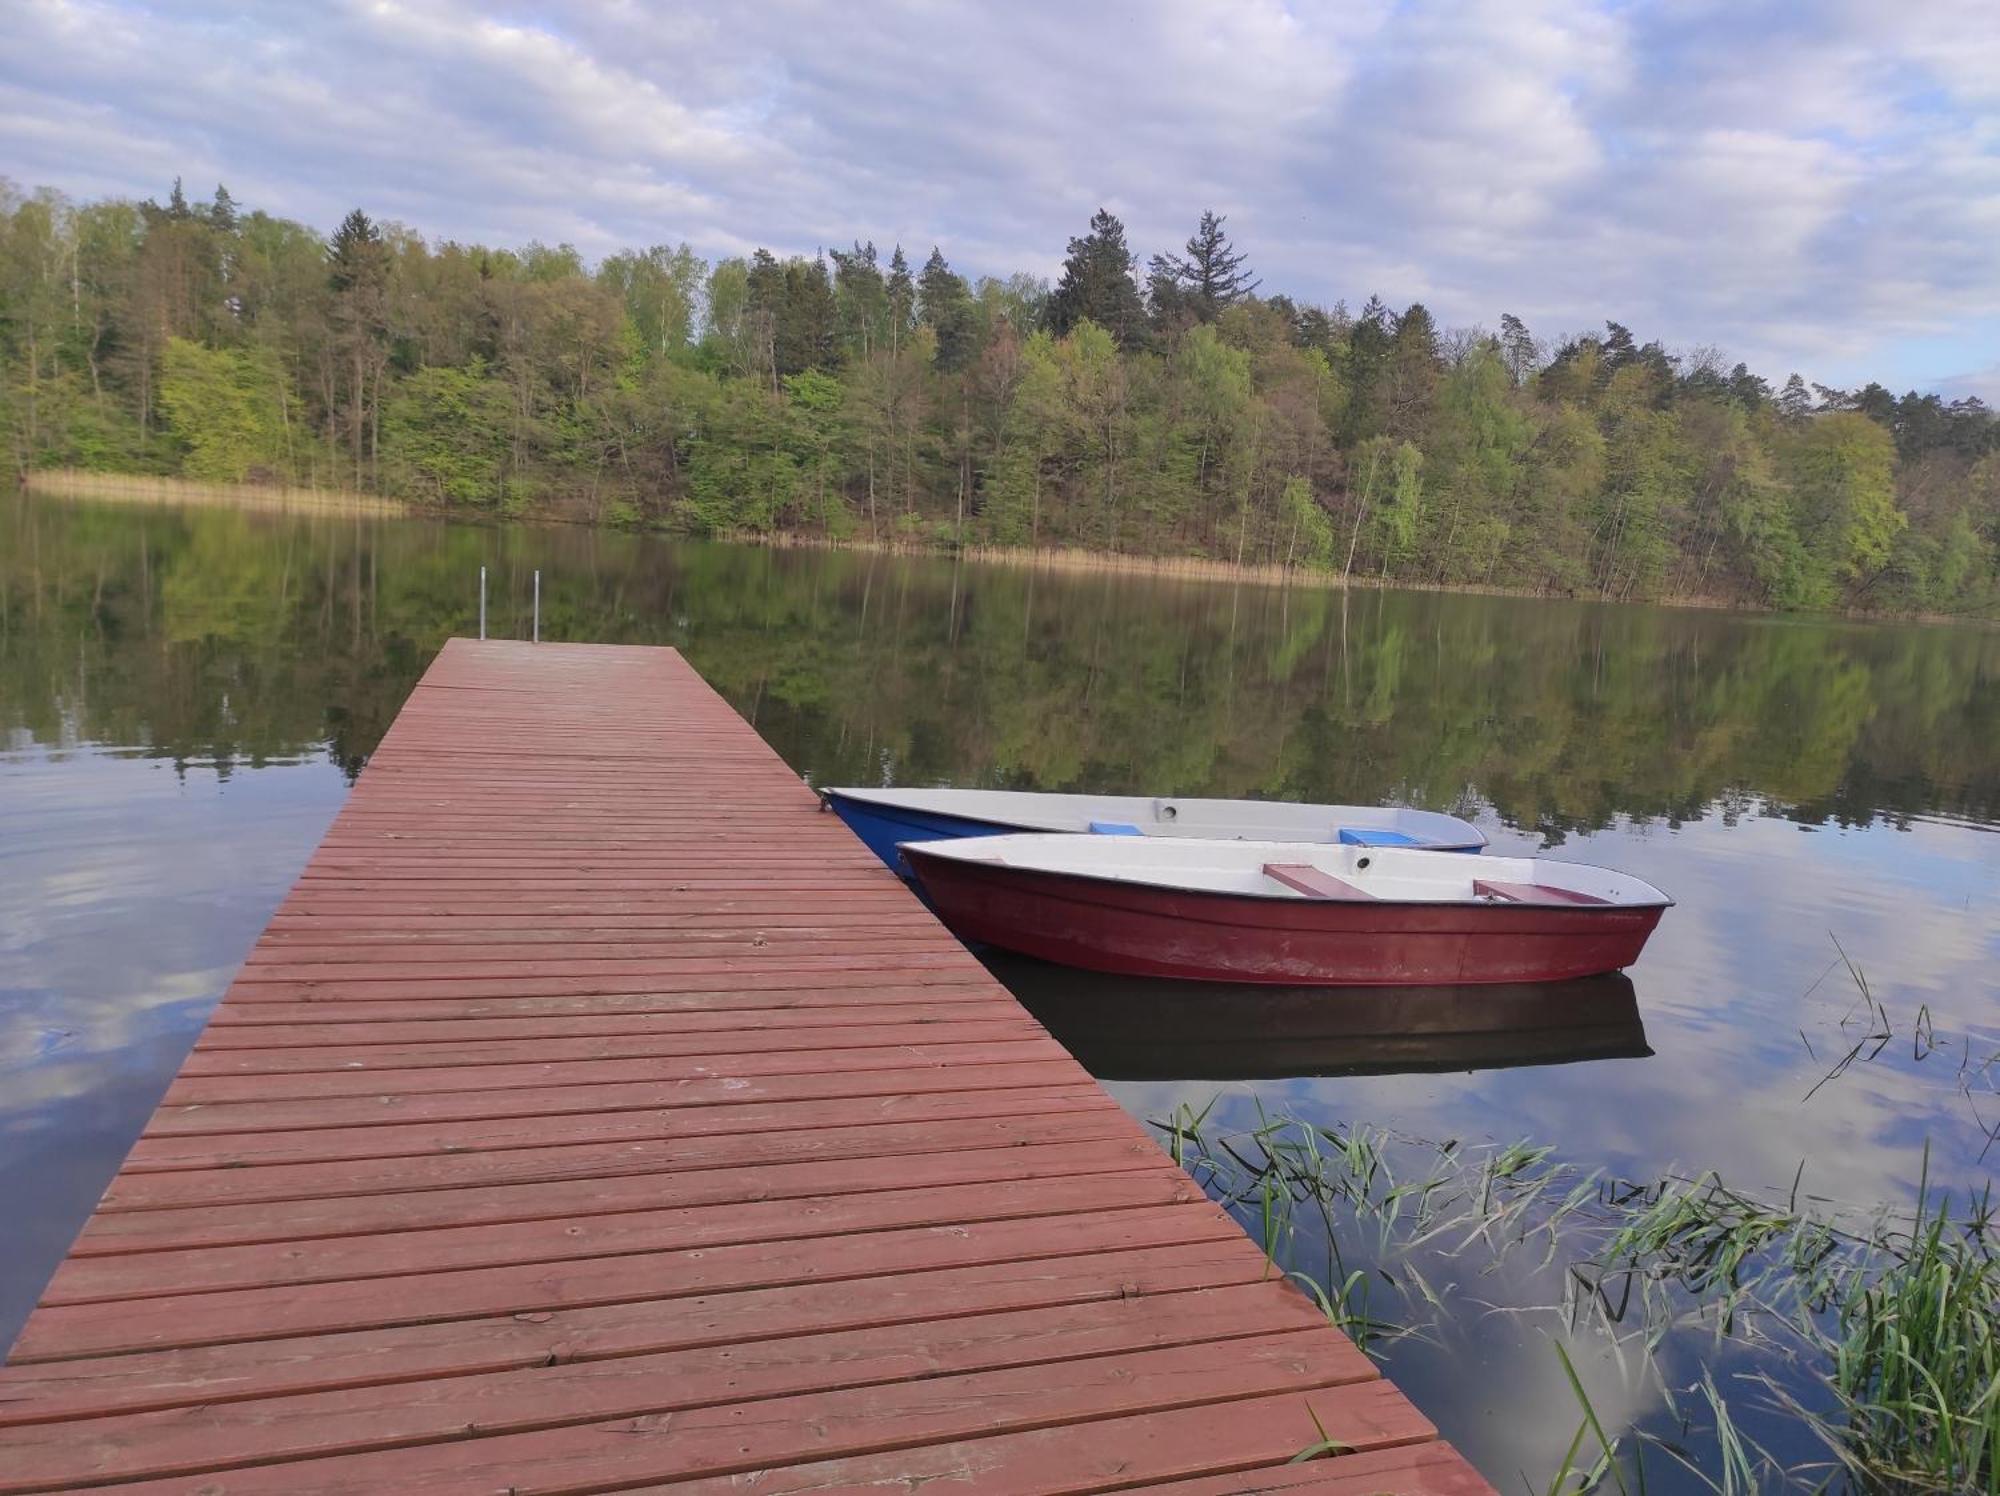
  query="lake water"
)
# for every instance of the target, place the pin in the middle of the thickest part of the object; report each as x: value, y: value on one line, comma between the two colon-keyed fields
x: 185, y: 696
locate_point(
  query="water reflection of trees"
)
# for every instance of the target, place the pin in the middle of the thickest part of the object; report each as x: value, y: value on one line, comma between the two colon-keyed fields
x: 223, y: 636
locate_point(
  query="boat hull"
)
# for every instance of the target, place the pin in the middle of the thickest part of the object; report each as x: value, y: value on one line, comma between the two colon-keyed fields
x: 1136, y: 929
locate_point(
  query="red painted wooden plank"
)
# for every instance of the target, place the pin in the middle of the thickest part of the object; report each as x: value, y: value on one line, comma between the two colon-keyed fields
x: 66, y: 1330
x: 610, y: 983
x: 208, y: 1088
x: 1165, y: 1453
x: 302, y: 1426
x: 423, y: 948
x: 1530, y: 893
x: 233, y: 1014
x: 290, y: 1220
x: 269, y: 1121
x: 333, y: 1025
x: 271, y: 974
x: 1303, y: 877
x: 135, y: 1275
x: 330, y: 1145
x: 1014, y: 1121
x: 913, y: 1028
x: 720, y: 1440
x: 1432, y: 1468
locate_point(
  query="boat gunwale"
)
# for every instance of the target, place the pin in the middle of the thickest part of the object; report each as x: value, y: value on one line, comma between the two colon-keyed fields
x: 861, y: 795
x: 826, y: 797
x: 1665, y: 900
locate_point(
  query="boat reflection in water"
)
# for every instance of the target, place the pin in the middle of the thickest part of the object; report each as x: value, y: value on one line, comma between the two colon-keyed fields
x: 1144, y: 1028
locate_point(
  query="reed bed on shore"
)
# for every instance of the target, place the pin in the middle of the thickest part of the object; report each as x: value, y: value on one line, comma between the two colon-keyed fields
x: 184, y: 492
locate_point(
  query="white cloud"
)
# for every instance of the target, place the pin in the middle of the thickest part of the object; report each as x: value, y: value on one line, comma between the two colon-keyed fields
x: 1809, y: 187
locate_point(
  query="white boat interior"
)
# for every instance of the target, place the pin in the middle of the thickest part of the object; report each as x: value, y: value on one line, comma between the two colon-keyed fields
x: 1159, y: 815
x: 1309, y: 870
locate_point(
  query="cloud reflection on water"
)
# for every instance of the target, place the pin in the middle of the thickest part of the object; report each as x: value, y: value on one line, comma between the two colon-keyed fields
x: 129, y: 893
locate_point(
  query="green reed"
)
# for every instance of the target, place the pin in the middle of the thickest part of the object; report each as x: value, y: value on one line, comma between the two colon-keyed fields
x: 1891, y: 1318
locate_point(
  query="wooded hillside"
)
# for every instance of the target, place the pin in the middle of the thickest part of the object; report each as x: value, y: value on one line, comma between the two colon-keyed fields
x: 1175, y: 408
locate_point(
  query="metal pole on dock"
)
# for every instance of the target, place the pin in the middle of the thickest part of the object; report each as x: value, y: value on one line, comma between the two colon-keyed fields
x: 538, y: 608
x: 482, y: 602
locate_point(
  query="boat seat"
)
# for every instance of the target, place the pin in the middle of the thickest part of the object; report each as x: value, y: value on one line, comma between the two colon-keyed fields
x: 1114, y: 828
x: 1531, y: 893
x: 1370, y: 836
x: 1303, y: 877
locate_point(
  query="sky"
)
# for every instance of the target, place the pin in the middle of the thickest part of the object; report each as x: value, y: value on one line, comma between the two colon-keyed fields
x: 1808, y: 185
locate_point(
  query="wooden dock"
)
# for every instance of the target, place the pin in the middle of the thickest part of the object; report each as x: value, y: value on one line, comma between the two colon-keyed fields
x: 597, y: 1115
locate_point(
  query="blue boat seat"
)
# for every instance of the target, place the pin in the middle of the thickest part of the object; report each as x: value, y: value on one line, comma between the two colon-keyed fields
x: 1114, y: 828
x: 1368, y: 836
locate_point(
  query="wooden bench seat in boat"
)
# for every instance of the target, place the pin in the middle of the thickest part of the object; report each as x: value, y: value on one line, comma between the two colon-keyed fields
x: 1303, y: 877
x: 1531, y: 893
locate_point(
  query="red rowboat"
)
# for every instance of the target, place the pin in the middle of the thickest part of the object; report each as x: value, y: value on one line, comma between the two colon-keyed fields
x: 1286, y: 912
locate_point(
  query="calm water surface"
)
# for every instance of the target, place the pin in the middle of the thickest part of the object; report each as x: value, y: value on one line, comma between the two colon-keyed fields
x: 186, y: 694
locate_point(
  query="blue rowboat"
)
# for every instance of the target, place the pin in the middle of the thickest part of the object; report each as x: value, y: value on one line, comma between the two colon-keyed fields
x: 883, y: 818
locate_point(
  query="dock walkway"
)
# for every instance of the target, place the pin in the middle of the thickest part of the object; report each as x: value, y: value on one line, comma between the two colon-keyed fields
x: 596, y: 1115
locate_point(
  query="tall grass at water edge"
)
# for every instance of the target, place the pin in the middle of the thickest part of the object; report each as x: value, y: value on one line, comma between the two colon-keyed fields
x: 1876, y: 1334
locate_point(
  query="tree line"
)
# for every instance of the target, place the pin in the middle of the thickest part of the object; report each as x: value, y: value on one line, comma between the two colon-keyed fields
x: 1171, y: 407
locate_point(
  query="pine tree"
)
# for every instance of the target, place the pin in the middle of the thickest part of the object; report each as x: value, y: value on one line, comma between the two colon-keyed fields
x: 1517, y: 348
x: 222, y: 212
x: 1794, y: 404
x: 1204, y: 281
x: 1619, y: 349
x: 1097, y: 285
x: 1749, y: 390
x: 766, y: 282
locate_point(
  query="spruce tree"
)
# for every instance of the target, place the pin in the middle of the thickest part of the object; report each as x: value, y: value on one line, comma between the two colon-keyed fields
x: 945, y: 306
x: 1410, y: 374
x: 862, y: 298
x: 1209, y: 277
x: 1097, y: 285
x: 808, y: 320
x: 1368, y: 343
x: 357, y: 271
x: 355, y: 258
x: 902, y: 292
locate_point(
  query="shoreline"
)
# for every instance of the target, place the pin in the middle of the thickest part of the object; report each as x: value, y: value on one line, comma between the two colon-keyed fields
x: 273, y: 498
x: 1076, y: 560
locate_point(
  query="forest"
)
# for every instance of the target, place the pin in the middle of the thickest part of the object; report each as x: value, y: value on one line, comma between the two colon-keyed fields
x: 1173, y: 406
